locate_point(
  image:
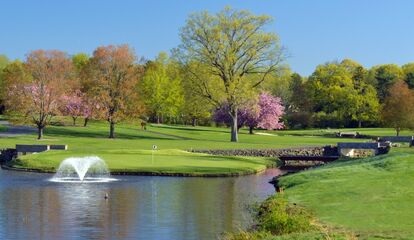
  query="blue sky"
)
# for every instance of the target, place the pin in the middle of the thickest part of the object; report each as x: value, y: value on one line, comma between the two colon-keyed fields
x: 314, y: 32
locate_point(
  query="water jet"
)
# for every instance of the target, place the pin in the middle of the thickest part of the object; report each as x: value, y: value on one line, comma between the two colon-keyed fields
x: 83, y: 170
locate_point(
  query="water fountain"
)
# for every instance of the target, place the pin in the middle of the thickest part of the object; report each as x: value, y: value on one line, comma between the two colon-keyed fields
x: 82, y: 169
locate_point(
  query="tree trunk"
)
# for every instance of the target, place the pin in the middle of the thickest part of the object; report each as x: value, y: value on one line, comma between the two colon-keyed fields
x: 194, y: 122
x: 250, y: 130
x: 39, y: 132
x: 359, y: 124
x: 234, y: 127
x: 398, y: 131
x: 74, y: 121
x: 111, y: 129
x: 85, y: 122
x: 158, y: 119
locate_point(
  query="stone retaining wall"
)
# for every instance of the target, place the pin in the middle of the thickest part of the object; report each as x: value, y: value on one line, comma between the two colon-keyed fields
x: 305, y: 151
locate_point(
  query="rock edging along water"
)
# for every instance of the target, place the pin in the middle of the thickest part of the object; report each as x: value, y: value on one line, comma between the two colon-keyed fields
x: 149, y: 173
x: 273, y: 152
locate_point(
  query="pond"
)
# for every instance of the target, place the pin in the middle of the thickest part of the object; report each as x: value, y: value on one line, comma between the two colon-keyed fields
x: 138, y: 207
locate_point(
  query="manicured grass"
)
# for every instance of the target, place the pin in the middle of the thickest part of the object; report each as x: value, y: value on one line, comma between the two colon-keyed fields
x: 162, y: 162
x: 372, y: 197
x: 131, y: 150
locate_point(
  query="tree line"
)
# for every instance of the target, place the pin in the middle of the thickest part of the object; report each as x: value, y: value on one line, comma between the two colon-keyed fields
x: 228, y: 69
x: 345, y: 94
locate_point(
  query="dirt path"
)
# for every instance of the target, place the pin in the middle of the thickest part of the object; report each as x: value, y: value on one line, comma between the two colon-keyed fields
x: 13, y: 130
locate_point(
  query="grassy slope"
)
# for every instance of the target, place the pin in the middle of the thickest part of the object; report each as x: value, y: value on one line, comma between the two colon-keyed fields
x: 373, y: 197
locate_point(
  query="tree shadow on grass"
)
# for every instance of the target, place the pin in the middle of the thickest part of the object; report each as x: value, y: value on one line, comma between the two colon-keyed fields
x: 89, y: 133
x: 193, y: 129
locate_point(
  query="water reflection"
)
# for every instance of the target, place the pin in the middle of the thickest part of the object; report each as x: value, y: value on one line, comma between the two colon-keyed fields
x: 137, y: 208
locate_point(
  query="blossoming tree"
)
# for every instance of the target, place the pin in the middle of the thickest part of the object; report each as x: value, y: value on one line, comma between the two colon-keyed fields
x: 35, y: 87
x: 266, y: 114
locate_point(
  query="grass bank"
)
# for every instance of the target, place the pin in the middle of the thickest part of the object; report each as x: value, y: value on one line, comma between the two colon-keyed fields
x: 372, y: 197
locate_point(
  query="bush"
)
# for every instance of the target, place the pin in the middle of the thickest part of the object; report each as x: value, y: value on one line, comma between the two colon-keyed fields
x: 276, y: 219
x: 245, y: 235
x: 277, y: 216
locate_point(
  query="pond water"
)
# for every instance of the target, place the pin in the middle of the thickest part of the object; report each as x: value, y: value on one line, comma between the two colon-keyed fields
x: 139, y: 207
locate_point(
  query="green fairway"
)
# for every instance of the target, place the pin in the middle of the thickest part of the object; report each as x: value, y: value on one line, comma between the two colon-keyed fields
x: 162, y: 162
x: 131, y: 150
x: 372, y: 197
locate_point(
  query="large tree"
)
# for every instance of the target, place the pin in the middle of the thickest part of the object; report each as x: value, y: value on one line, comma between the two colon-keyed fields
x: 112, y: 79
x: 398, y: 109
x: 229, y: 54
x: 161, y: 88
x: 35, y: 88
x: 383, y: 77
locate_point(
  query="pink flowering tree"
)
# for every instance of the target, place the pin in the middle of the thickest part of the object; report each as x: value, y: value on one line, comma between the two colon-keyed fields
x: 34, y: 88
x: 266, y: 114
x: 78, y: 105
x: 72, y: 105
x: 271, y: 111
x: 91, y: 109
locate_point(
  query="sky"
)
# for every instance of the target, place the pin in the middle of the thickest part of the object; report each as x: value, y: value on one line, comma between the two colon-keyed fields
x: 370, y: 32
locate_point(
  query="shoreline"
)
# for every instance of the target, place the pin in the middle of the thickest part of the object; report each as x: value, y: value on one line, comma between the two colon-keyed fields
x: 159, y: 174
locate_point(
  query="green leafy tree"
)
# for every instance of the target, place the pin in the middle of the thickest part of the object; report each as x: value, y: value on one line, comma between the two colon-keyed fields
x: 4, y: 61
x: 299, y: 111
x: 363, y: 104
x: 383, y: 77
x: 80, y: 60
x: 358, y: 72
x: 223, y: 51
x: 279, y: 84
x: 331, y: 89
x: 339, y: 94
x: 408, y: 70
x: 195, y: 107
x: 161, y: 87
x: 298, y: 99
